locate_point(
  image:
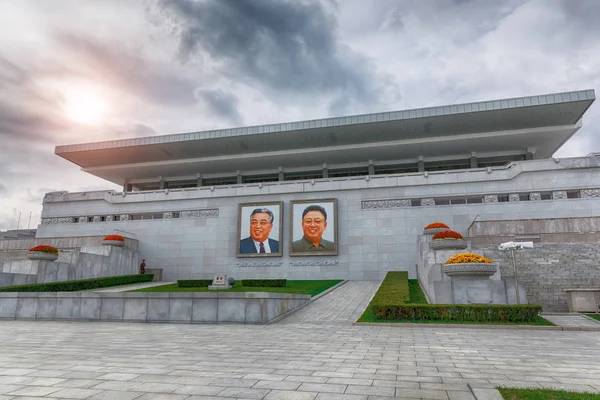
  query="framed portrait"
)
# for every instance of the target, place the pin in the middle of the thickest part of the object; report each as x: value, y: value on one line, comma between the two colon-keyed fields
x: 313, y: 228
x: 260, y: 232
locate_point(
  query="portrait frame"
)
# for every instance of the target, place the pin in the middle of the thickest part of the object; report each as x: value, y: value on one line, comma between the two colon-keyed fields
x: 296, y: 231
x: 243, y: 228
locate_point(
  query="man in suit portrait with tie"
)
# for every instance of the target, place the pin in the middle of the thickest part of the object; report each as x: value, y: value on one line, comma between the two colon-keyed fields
x: 261, y: 223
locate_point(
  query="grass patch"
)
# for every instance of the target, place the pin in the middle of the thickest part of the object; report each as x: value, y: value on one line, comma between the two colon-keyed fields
x: 545, y: 394
x: 293, y: 287
x: 416, y: 294
x: 594, y: 316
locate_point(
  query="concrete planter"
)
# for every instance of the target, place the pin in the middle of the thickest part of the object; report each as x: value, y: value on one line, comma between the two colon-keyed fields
x: 40, y: 255
x: 469, y: 270
x: 448, y: 244
x: 117, y: 243
x: 433, y: 231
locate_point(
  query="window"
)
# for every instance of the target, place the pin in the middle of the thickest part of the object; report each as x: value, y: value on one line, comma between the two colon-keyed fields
x: 415, y: 202
x: 502, y: 198
x: 336, y: 173
x: 546, y: 195
x: 573, y: 194
x: 523, y: 196
x: 442, y: 202
x: 300, y: 176
x: 474, y: 200
x: 457, y: 201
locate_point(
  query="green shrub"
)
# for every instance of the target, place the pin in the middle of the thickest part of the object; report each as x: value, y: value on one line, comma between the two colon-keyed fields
x: 264, y: 282
x: 458, y: 312
x: 194, y: 283
x: 84, y: 284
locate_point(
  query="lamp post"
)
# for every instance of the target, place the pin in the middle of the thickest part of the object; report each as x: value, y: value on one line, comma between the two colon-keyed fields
x: 512, y: 246
x: 512, y: 251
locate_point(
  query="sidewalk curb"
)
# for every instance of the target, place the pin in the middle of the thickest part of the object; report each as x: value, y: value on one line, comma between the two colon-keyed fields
x: 470, y: 326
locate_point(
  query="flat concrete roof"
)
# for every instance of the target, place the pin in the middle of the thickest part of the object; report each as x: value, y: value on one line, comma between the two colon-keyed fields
x: 544, y: 122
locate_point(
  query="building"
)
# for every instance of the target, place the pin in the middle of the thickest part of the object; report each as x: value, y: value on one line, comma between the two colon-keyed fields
x: 390, y: 174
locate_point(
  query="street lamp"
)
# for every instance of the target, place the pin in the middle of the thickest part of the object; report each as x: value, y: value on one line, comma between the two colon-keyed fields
x: 512, y: 246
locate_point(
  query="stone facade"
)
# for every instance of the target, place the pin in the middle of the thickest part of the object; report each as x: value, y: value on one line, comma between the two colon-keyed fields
x: 550, y: 268
x: 377, y: 229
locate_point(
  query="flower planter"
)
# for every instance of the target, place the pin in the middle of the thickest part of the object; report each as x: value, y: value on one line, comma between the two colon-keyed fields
x: 118, y: 243
x: 469, y: 270
x: 40, y: 255
x: 448, y: 244
x: 433, y: 231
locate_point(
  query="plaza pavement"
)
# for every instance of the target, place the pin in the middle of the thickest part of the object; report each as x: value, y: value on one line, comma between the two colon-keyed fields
x: 314, y: 354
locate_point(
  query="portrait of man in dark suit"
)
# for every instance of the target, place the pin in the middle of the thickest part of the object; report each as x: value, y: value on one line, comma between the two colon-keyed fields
x: 313, y: 228
x: 256, y: 229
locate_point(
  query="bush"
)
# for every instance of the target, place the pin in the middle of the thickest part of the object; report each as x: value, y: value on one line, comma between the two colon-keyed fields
x: 458, y: 312
x: 45, y: 249
x: 114, y: 237
x: 264, y: 282
x: 83, y: 284
x: 195, y: 283
x: 435, y: 225
x: 447, y: 235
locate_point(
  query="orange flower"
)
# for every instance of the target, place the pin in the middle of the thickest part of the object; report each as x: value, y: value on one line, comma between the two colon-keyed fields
x: 115, y: 237
x: 45, y: 249
x: 468, y: 258
x: 437, y: 225
x: 447, y: 235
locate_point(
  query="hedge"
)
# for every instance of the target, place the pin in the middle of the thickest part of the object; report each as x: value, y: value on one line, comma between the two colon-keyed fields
x: 264, y: 282
x: 83, y: 284
x: 392, y: 302
x: 458, y: 312
x: 195, y: 283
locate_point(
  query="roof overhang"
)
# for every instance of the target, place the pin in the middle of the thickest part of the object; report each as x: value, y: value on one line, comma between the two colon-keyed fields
x: 495, y: 127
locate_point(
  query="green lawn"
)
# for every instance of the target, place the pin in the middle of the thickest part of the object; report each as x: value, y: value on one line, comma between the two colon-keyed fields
x: 294, y: 287
x: 418, y: 297
x: 595, y: 316
x: 545, y: 394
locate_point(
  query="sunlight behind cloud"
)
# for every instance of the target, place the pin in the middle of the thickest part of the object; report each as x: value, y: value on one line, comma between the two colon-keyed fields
x: 85, y: 105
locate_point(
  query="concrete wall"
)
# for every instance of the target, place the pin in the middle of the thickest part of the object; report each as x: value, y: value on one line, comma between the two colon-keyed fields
x: 241, y: 308
x: 377, y: 229
x: 550, y: 268
x: 97, y: 262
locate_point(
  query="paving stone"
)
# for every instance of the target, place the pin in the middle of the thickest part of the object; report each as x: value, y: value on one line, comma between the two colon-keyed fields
x: 199, y: 390
x: 244, y: 393
x: 32, y: 391
x: 115, y: 395
x: 290, y: 395
x: 370, y: 390
x: 322, y: 387
x: 75, y: 393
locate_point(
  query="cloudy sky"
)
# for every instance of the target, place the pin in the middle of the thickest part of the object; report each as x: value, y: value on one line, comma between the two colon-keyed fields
x: 77, y: 71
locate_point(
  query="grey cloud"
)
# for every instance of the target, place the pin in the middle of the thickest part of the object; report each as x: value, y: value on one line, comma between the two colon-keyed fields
x: 220, y: 103
x: 283, y: 46
x: 114, y: 64
x: 3, y: 188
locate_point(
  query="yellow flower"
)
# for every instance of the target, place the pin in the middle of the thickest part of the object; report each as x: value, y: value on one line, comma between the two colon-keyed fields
x: 468, y: 258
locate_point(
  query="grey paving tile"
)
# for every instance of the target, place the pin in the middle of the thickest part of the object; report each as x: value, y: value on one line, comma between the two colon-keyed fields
x: 115, y: 395
x: 33, y: 391
x: 199, y: 390
x: 244, y: 393
x: 290, y: 395
x: 371, y: 390
x: 322, y: 387
x: 75, y: 393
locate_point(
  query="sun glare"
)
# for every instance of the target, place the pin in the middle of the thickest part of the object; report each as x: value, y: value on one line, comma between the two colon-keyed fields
x: 84, y: 106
